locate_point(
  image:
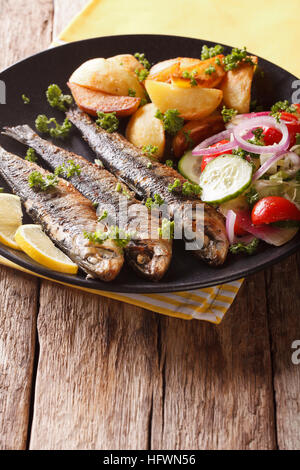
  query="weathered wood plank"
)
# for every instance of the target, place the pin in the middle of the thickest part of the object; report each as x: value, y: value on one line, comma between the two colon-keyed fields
x: 96, y: 373
x: 216, y: 386
x: 283, y: 283
x: 18, y: 308
x: 25, y: 28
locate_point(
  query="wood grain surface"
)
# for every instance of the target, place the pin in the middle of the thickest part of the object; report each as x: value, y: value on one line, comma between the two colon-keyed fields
x: 111, y: 376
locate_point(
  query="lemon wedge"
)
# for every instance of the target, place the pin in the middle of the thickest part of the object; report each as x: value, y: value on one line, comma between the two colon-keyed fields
x: 36, y: 244
x: 10, y: 219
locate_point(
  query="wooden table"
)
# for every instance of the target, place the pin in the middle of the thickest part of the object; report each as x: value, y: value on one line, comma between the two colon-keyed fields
x: 78, y: 371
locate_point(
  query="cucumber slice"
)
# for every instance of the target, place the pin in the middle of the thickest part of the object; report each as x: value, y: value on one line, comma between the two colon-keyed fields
x: 224, y: 178
x: 190, y: 166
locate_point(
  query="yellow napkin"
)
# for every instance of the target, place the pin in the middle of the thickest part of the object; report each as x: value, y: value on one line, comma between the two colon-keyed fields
x: 267, y: 28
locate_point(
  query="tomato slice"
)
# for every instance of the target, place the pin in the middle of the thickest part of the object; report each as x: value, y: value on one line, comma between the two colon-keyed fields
x: 274, y: 209
x: 238, y: 230
x: 272, y: 136
x: 208, y: 158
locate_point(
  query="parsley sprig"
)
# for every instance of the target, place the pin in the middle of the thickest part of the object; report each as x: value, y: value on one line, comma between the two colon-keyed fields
x: 281, y: 106
x: 233, y: 60
x: 42, y: 183
x: 68, y: 170
x: 166, y: 230
x: 228, y: 113
x: 31, y: 155
x: 190, y: 76
x: 154, y: 203
x: 120, y: 236
x: 171, y: 120
x: 143, y: 60
x: 240, y: 247
x: 107, y: 121
x: 57, y: 99
x: 149, y: 150
x: 60, y: 131
x: 208, y: 52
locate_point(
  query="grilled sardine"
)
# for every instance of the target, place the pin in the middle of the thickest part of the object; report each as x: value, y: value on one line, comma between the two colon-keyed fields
x: 64, y: 215
x: 148, y: 257
x: 125, y: 161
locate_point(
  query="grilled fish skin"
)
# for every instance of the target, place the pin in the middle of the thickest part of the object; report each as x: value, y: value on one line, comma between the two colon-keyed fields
x: 125, y: 161
x: 64, y: 215
x: 149, y: 258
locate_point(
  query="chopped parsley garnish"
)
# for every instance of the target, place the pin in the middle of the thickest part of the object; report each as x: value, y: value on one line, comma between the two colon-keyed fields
x: 298, y: 176
x: 243, y: 153
x: 154, y: 203
x: 174, y: 185
x: 57, y: 99
x: 190, y: 76
x: 120, y: 237
x: 68, y: 170
x: 217, y: 61
x: 188, y: 140
x: 169, y: 163
x: 107, y: 121
x: 249, y: 248
x: 233, y: 60
x: 31, y: 155
x: 42, y: 183
x: 252, y: 196
x: 297, y: 139
x: 281, y: 106
x: 167, y: 229
x: 190, y: 189
x: 95, y: 204
x: 149, y: 150
x: 208, y: 52
x: 142, y: 59
x: 142, y: 74
x: 25, y: 99
x: 171, y: 120
x: 258, y: 138
x: 228, y: 113
x: 143, y: 102
x: 103, y: 216
x: 60, y: 131
x: 131, y: 92
x: 118, y: 188
x: 210, y: 70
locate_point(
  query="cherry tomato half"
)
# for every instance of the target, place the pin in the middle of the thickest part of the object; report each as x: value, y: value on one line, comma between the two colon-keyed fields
x: 274, y: 209
x: 208, y: 158
x: 272, y: 136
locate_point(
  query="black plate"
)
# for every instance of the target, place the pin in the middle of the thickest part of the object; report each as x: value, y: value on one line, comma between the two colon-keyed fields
x: 32, y: 77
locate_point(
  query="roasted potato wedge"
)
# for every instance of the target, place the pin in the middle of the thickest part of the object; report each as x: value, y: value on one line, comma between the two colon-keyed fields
x: 108, y: 77
x: 127, y: 61
x: 145, y: 129
x: 92, y: 101
x: 192, y: 103
x: 236, y: 87
x: 162, y: 71
x: 194, y: 132
x: 172, y: 71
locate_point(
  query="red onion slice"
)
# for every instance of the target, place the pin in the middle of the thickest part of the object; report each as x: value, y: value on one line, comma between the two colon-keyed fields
x: 230, y: 223
x: 202, y: 149
x: 272, y: 235
x: 265, y: 121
